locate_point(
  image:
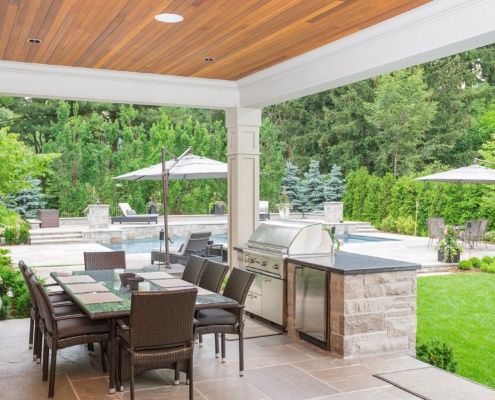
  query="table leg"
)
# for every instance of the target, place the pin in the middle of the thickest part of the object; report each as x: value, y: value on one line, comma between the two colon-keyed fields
x: 112, y: 355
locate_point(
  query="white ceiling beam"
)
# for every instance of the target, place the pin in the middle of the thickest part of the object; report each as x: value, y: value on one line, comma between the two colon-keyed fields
x: 433, y: 31
x: 57, y: 82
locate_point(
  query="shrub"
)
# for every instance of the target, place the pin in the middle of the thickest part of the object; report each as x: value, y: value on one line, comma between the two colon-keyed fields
x: 24, y: 233
x: 488, y: 267
x: 14, y: 281
x: 475, y: 261
x: 388, y: 225
x: 490, y: 236
x: 405, y: 225
x: 438, y: 354
x: 4, y: 310
x: 465, y: 265
x: 487, y: 260
x: 10, y: 235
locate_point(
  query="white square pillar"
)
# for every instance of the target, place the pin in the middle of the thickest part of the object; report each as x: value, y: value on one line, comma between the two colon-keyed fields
x: 243, y: 128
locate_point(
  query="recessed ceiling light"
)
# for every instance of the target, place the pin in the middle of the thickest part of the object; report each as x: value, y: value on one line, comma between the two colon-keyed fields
x: 208, y: 59
x: 35, y: 41
x: 170, y: 18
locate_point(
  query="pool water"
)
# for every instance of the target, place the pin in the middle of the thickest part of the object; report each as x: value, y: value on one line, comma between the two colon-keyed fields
x: 140, y: 246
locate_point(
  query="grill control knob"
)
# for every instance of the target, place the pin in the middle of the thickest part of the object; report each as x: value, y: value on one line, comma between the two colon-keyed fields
x: 263, y: 263
x: 275, y: 266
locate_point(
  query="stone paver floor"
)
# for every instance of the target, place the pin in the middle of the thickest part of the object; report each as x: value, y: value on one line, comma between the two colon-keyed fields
x: 277, y: 367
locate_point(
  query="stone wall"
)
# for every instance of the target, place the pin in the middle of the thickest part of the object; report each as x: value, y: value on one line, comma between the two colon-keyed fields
x: 98, y: 216
x: 369, y: 314
x: 373, y: 313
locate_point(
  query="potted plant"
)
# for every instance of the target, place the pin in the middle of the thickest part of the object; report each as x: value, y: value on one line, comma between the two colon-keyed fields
x: 217, y: 206
x: 284, y: 206
x: 448, y: 248
x: 336, y: 243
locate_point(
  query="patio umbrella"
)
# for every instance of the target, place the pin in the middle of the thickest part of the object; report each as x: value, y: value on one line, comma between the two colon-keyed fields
x: 185, y: 167
x: 472, y: 174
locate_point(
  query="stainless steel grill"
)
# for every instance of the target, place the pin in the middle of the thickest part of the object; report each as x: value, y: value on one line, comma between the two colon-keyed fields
x: 264, y: 255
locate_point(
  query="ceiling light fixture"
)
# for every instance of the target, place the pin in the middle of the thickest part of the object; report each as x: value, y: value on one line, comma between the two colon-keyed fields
x: 169, y: 18
x: 208, y: 59
x: 35, y: 41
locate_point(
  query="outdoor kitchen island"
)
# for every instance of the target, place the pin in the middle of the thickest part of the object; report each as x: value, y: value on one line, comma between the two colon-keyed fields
x: 370, y: 302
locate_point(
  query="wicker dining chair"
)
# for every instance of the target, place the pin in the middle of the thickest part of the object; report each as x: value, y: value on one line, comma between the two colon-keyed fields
x: 213, y: 276
x: 193, y: 271
x: 59, y: 299
x: 98, y: 260
x: 230, y: 320
x: 65, y: 330
x: 212, y: 279
x: 154, y: 340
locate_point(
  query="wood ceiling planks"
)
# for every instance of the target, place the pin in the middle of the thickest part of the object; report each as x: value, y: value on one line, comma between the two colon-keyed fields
x: 244, y: 37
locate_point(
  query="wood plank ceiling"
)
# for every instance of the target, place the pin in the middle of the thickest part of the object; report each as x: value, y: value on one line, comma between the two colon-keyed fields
x: 243, y: 36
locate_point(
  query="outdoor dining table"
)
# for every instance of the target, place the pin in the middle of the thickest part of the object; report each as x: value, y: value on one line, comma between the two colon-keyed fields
x: 101, y: 295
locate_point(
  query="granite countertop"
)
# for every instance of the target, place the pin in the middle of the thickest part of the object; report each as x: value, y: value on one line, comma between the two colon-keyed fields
x: 351, y: 264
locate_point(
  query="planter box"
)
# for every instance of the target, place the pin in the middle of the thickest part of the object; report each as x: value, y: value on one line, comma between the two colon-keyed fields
x: 48, y: 218
x: 218, y: 210
x: 452, y: 260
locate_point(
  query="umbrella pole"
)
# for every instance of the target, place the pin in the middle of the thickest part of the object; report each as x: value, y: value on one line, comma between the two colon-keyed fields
x: 165, y: 175
x: 165, y: 212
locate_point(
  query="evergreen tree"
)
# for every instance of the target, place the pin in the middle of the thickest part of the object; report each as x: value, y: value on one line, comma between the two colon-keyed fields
x: 334, y: 185
x: 290, y: 182
x: 313, y: 181
x: 28, y: 201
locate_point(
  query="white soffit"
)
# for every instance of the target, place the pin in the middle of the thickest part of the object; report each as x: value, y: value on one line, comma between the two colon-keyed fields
x: 71, y: 83
x: 429, y: 32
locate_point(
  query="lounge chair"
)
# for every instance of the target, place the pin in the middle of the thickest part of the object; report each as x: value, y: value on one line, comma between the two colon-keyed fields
x: 264, y: 214
x: 195, y: 244
x: 131, y: 216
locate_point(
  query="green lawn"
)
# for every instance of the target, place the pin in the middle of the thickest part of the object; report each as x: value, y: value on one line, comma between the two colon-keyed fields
x: 459, y: 309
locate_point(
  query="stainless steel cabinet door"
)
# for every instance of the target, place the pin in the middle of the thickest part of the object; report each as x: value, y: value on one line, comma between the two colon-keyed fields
x: 272, y: 307
x: 253, y: 299
x: 310, y: 302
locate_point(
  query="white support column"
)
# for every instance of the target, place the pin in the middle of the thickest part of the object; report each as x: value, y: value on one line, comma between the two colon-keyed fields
x: 243, y: 126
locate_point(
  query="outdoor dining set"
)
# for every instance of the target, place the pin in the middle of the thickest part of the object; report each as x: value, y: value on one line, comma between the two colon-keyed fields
x: 143, y: 319
x: 470, y: 234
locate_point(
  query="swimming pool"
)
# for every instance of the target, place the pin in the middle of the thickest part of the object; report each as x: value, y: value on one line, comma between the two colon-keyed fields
x: 139, y: 246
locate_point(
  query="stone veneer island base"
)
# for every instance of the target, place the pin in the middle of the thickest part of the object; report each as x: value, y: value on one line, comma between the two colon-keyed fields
x: 371, y: 303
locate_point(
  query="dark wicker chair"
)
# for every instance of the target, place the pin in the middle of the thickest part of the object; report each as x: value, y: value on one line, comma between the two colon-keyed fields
x: 194, y: 269
x: 231, y: 320
x: 65, y: 330
x: 162, y: 339
x: 213, y: 276
x: 98, y: 260
x: 59, y: 299
x: 212, y: 279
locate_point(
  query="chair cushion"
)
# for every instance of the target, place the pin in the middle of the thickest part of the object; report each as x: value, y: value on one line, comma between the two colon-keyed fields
x: 131, y: 212
x: 215, y: 317
x: 170, y: 250
x: 65, y: 310
x: 58, y: 298
x: 80, y: 326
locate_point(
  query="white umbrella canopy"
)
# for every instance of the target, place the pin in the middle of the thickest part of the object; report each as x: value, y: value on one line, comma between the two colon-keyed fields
x: 185, y: 167
x: 188, y: 167
x: 472, y: 174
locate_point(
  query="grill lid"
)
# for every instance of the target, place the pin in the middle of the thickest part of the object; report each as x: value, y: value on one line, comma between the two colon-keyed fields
x: 290, y: 238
